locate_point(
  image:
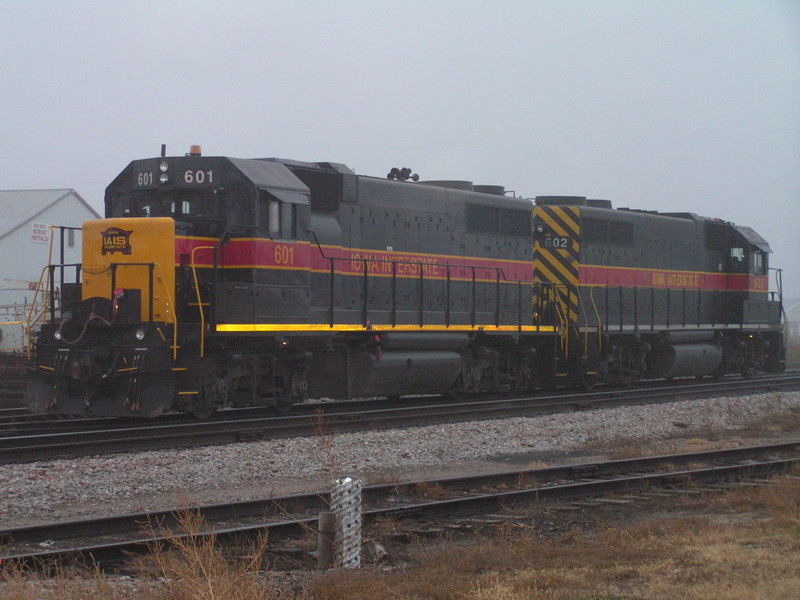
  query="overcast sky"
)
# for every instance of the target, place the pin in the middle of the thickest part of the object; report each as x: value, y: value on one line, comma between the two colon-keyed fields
x: 663, y: 105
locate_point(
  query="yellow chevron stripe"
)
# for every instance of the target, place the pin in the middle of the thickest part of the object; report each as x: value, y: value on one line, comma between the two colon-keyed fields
x: 569, y: 220
x: 560, y: 213
x: 568, y: 308
x: 568, y: 275
x: 549, y: 276
x: 569, y: 257
x: 553, y: 224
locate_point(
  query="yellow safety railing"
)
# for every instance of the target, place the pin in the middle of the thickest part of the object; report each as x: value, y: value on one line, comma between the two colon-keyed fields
x: 170, y: 308
x: 44, y: 288
x: 199, y: 299
x: 30, y: 321
x: 563, y: 319
x: 599, y: 321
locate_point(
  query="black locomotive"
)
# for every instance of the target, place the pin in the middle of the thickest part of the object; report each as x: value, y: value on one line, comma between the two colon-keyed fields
x: 217, y: 282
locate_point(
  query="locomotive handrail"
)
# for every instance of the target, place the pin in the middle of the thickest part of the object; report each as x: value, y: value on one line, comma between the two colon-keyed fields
x: 558, y: 320
x: 29, y: 322
x: 499, y: 272
x: 781, y: 308
x: 199, y: 299
x: 597, y: 316
x: 173, y: 311
x: 45, y: 294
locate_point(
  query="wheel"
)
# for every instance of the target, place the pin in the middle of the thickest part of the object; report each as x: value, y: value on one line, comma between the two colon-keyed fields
x: 588, y: 382
x: 456, y: 392
x: 203, y: 412
x: 283, y: 404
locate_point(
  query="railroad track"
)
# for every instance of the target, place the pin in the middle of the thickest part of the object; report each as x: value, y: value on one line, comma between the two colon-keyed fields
x: 332, y: 418
x: 12, y: 379
x: 110, y: 540
x: 17, y: 421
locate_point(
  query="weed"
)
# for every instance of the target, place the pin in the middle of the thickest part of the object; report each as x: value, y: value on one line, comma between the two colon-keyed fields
x: 432, y: 490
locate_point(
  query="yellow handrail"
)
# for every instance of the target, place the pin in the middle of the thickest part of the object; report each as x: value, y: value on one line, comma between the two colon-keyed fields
x: 563, y: 321
x: 174, y: 314
x: 599, y: 321
x: 28, y: 323
x: 199, y: 300
x: 45, y: 296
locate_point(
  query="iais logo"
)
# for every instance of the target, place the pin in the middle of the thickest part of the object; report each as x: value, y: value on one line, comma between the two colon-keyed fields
x: 116, y: 240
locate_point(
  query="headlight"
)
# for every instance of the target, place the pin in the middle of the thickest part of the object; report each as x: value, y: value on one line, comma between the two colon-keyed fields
x: 57, y: 335
x: 139, y: 334
x: 164, y: 166
x: 164, y: 178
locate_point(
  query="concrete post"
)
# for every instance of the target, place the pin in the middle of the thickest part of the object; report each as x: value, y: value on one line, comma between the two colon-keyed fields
x: 346, y: 506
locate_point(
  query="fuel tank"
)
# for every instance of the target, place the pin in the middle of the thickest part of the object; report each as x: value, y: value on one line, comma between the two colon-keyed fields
x: 397, y: 372
x: 683, y: 360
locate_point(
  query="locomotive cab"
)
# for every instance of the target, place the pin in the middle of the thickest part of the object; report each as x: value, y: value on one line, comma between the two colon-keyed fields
x: 187, y: 244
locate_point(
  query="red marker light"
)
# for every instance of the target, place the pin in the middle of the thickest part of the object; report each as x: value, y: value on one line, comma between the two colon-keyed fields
x: 194, y: 150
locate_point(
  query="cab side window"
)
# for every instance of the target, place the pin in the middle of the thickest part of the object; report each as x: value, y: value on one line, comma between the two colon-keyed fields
x: 277, y: 219
x: 759, y: 264
x: 737, y: 260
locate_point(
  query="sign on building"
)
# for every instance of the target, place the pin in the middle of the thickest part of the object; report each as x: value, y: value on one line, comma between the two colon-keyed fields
x: 40, y: 233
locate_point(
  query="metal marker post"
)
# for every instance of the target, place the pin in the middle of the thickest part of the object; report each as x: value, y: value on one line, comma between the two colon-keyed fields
x: 346, y: 506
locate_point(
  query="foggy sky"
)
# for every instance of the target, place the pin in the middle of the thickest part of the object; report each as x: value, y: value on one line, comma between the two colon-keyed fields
x: 672, y: 106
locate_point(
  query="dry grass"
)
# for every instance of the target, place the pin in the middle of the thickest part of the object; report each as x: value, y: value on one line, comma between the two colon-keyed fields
x: 59, y: 584
x: 621, y: 448
x: 434, y: 491
x: 187, y: 567
x: 192, y: 567
x: 752, y: 556
x: 743, y: 544
x: 772, y: 422
x: 326, y: 454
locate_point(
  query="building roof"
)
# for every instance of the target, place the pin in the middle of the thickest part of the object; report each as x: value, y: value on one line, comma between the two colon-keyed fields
x: 17, y: 207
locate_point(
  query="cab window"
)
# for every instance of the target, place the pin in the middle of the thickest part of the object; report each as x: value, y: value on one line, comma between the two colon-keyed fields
x: 277, y: 219
x: 737, y: 262
x: 759, y: 264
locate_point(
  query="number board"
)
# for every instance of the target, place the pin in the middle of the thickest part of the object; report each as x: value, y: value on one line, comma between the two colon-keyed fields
x: 144, y: 179
x: 196, y: 177
x: 556, y: 242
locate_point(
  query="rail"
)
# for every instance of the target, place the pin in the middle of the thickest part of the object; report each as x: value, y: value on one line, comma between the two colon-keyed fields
x: 110, y: 539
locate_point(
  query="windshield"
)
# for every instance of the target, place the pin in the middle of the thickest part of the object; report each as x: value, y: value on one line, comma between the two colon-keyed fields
x: 191, y: 203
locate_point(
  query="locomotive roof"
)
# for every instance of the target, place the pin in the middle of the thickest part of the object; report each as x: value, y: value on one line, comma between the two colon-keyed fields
x: 751, y: 236
x: 271, y: 175
x: 599, y: 207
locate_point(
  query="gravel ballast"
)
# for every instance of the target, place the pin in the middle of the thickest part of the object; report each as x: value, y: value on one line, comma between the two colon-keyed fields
x: 159, y: 480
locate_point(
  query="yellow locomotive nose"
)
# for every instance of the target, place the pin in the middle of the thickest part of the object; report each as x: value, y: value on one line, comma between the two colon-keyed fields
x: 131, y: 253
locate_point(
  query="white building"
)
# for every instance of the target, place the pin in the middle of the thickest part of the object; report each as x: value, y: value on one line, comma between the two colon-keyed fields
x: 30, y: 238
x: 792, y: 308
